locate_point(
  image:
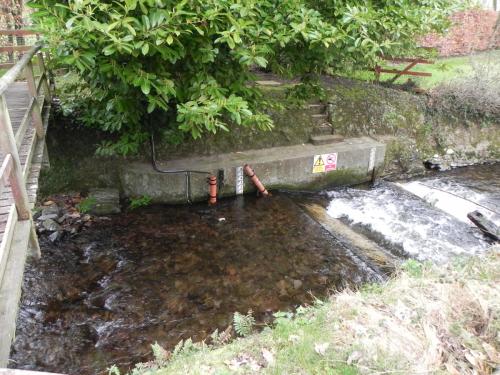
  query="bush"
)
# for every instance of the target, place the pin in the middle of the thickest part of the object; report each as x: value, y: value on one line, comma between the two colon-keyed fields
x: 179, y: 65
x: 476, y: 97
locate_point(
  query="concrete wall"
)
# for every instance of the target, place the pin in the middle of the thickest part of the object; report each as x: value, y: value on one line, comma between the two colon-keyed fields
x: 278, y: 168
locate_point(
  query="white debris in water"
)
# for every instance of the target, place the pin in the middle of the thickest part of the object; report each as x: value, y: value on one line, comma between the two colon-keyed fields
x: 406, y: 221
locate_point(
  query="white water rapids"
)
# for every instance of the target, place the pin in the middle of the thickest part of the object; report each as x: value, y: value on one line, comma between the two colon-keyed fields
x: 424, y: 223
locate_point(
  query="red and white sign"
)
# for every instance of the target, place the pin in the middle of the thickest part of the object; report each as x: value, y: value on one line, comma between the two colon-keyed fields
x: 325, y: 163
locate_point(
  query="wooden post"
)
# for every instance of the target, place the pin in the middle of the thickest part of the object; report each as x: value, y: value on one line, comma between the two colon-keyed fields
x: 16, y: 179
x: 45, y: 77
x: 377, y: 73
x: 8, y: 146
x: 34, y: 244
x: 36, y: 114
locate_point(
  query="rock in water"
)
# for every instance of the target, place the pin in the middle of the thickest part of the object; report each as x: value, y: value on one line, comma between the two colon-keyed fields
x: 487, y: 226
x: 54, y: 236
x: 50, y: 225
x: 104, y: 201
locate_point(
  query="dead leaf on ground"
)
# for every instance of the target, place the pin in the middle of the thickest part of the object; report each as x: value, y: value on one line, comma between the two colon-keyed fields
x: 243, y: 360
x: 492, y: 352
x: 268, y: 356
x: 321, y: 348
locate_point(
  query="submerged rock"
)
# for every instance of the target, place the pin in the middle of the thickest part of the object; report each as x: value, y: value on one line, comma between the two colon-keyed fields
x: 104, y: 201
x: 50, y: 225
x: 55, y: 236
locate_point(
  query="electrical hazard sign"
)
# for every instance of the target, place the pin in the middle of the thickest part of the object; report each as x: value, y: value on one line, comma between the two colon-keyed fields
x: 325, y: 163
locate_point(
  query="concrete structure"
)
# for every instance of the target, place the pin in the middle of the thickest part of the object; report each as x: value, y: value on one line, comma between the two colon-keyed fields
x: 288, y: 167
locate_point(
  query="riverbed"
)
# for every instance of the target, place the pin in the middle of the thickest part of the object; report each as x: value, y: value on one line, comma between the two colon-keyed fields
x: 166, y: 273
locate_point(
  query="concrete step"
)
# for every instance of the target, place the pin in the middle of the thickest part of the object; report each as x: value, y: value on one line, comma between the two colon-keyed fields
x: 319, y: 140
x: 320, y: 118
x: 316, y: 109
x: 323, y: 129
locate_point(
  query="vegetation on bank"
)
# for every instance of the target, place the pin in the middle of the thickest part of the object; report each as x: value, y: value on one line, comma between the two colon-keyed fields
x: 184, y: 66
x: 444, y: 70
x: 427, y: 319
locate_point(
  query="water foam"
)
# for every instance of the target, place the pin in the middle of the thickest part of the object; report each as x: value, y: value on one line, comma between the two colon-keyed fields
x: 422, y: 231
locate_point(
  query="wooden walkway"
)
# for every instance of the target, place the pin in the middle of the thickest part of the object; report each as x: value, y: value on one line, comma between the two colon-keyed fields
x: 30, y: 151
x: 24, y: 114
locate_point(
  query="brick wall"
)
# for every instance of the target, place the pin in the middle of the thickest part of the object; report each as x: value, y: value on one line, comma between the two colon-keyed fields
x: 471, y: 31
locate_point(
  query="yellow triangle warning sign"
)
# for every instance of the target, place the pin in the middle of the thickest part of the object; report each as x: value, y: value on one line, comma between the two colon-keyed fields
x: 319, y: 162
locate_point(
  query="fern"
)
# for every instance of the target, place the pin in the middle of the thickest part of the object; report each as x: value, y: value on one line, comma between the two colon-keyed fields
x: 160, y: 354
x: 243, y: 324
x: 113, y: 370
x: 140, y: 202
x: 86, y: 205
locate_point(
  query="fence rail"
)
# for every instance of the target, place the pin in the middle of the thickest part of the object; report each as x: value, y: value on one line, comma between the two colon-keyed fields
x: 12, y: 171
x: 412, y: 62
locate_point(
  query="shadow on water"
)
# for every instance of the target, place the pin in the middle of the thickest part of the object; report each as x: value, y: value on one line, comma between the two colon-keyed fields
x: 167, y: 273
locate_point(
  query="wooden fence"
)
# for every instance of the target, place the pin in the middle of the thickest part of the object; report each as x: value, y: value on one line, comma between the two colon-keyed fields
x: 412, y: 62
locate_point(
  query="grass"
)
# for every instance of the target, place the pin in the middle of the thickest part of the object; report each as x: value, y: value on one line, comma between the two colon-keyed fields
x: 443, y: 70
x: 427, y: 319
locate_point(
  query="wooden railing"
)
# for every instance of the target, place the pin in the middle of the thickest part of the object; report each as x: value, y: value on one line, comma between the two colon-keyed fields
x: 11, y: 171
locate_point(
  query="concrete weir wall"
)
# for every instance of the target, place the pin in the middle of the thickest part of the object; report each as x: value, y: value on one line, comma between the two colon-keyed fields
x: 289, y: 167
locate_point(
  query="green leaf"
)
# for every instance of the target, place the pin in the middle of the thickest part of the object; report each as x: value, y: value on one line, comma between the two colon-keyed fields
x: 145, y: 87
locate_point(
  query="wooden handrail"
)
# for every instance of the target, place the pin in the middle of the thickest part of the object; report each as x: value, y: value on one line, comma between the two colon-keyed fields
x: 13, y: 73
x: 5, y: 171
x: 12, y: 171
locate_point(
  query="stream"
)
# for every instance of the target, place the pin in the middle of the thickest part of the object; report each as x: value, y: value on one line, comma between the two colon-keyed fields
x: 166, y: 273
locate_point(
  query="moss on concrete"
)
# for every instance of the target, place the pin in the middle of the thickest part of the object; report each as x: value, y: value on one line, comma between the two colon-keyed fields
x: 341, y: 177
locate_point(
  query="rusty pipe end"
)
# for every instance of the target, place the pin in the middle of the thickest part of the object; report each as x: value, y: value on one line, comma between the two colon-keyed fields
x: 212, y: 190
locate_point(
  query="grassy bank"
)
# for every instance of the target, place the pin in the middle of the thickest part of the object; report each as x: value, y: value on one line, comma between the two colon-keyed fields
x: 427, y: 319
x: 443, y: 70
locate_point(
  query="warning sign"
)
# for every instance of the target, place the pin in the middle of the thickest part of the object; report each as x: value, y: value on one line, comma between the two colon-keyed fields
x: 325, y: 163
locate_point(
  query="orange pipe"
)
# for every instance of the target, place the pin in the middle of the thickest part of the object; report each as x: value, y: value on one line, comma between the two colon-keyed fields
x: 212, y: 186
x: 250, y: 173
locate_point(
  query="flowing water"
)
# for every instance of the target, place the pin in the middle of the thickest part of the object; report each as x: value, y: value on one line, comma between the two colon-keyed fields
x: 163, y: 273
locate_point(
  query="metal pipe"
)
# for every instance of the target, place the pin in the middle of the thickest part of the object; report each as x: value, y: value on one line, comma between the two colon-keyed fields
x: 187, y: 173
x: 250, y: 173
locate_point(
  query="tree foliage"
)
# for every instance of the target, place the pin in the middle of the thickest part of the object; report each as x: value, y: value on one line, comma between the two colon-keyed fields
x: 186, y: 65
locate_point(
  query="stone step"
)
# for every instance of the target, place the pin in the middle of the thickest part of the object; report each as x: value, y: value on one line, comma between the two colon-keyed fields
x: 316, y: 109
x: 320, y: 119
x: 318, y: 140
x: 324, y: 128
